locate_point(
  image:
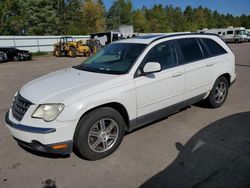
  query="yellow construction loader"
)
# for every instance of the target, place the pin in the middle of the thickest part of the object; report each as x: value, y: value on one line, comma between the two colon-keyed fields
x: 68, y: 47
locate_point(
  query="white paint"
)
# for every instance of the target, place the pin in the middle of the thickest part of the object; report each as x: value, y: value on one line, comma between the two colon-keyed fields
x: 81, y: 91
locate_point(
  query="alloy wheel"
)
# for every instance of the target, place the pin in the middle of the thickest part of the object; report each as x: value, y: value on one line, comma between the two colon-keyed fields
x: 103, y: 135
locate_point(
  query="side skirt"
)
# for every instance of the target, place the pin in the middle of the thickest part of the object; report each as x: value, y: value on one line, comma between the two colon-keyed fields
x: 162, y: 113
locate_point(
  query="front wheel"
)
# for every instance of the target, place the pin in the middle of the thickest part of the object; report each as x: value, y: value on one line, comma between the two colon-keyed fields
x: 57, y: 52
x: 72, y: 52
x: 99, y: 133
x: 218, y: 93
x: 15, y: 58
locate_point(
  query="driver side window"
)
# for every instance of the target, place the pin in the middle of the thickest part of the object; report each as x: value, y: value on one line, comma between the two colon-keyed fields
x: 163, y: 53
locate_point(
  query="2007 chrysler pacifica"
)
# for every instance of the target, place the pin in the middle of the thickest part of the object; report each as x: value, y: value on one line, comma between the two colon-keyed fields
x: 127, y: 84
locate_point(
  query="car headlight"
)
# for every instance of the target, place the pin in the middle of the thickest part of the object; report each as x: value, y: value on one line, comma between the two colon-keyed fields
x: 48, y: 112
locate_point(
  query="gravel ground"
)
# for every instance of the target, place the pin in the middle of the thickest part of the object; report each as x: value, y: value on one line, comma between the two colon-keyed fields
x: 197, y: 147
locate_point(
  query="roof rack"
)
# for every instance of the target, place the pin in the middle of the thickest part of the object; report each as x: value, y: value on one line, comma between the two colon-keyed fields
x: 182, y: 34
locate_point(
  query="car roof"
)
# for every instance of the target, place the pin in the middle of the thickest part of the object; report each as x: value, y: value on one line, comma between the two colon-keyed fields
x: 7, y: 48
x: 147, y: 39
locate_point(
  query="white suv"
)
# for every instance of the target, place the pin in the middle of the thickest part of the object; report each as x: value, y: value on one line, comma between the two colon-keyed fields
x: 126, y: 85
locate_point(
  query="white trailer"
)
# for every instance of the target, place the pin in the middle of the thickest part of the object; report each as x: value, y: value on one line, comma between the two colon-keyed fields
x: 248, y: 34
x: 229, y: 34
x: 127, y: 31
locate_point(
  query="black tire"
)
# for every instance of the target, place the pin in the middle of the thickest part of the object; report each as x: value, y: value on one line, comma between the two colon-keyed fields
x: 213, y: 98
x: 16, y: 58
x: 85, y: 143
x: 57, y: 52
x: 237, y: 41
x: 72, y: 52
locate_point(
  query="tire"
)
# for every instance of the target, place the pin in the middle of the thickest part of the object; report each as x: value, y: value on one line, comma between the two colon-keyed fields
x: 57, y: 52
x: 92, y: 139
x: 15, y: 58
x: 72, y: 52
x: 218, y: 93
x: 237, y: 41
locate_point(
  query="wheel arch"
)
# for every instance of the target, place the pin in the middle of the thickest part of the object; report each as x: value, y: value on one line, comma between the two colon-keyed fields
x: 227, y: 76
x: 116, y: 106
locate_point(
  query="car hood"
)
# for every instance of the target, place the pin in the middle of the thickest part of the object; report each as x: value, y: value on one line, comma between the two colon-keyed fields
x: 66, y: 86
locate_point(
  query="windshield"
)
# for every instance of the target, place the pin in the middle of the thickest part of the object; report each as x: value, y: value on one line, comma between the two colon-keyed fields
x: 116, y: 58
x: 240, y: 32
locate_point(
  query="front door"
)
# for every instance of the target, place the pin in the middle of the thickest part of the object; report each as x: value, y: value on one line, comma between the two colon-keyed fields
x: 162, y: 89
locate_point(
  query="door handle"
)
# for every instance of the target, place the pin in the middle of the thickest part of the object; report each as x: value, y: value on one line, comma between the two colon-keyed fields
x: 176, y: 74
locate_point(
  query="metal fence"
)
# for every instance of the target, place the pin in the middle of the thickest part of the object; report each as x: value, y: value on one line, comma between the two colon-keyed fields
x: 34, y: 43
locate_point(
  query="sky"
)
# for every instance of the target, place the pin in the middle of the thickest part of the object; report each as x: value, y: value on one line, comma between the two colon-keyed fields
x: 235, y: 7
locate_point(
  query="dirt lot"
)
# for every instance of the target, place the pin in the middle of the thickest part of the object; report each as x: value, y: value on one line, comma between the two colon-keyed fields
x: 185, y: 150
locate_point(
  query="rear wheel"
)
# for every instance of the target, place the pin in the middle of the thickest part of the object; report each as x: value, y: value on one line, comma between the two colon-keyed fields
x: 72, y: 52
x: 219, y: 93
x: 99, y: 133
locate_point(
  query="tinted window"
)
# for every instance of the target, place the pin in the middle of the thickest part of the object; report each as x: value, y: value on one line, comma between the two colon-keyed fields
x: 230, y: 32
x: 190, y: 49
x: 162, y: 53
x: 213, y: 47
x: 204, y: 49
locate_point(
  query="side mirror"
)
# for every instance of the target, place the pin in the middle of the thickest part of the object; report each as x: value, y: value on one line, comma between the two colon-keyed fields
x: 151, y: 67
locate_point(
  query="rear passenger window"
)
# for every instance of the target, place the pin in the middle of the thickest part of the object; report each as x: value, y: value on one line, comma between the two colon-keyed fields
x: 230, y: 32
x: 190, y: 49
x: 213, y: 47
x: 204, y: 49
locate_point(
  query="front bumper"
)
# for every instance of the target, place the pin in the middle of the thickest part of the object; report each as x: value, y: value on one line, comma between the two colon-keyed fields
x: 3, y: 59
x: 64, y: 148
x: 47, y: 140
x: 25, y: 56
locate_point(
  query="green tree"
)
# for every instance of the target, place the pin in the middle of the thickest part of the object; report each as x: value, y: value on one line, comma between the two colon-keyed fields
x: 120, y: 13
x: 200, y: 18
x: 189, y: 14
x: 158, y: 19
x: 60, y: 7
x: 140, y: 22
x: 176, y: 18
x: 40, y: 17
x: 245, y: 21
x: 93, y: 16
x: 11, y: 18
x: 74, y: 18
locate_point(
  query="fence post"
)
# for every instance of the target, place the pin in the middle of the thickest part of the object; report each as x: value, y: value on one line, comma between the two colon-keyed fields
x: 14, y: 41
x: 38, y: 44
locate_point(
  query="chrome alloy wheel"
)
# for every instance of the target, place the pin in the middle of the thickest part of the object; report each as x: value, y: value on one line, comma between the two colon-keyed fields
x: 103, y: 135
x: 220, y: 92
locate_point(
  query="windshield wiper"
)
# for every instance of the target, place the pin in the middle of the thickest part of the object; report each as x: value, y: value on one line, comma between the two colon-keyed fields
x: 101, y: 70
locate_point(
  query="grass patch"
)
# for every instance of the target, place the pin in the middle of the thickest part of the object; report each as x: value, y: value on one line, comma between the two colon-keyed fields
x: 40, y: 53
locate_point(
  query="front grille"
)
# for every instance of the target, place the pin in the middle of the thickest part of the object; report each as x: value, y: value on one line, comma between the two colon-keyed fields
x: 20, y: 107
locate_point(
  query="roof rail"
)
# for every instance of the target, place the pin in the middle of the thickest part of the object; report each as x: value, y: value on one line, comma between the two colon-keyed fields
x: 183, y: 34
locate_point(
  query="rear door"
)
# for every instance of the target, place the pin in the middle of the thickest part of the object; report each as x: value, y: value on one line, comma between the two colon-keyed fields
x: 196, y: 67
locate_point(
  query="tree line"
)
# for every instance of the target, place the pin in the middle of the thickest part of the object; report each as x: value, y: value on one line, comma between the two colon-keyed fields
x: 73, y: 17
